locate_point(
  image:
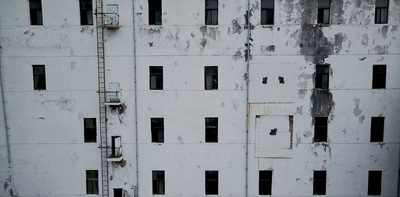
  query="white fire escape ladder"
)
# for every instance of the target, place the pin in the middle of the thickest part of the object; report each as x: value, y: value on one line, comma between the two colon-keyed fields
x: 102, y: 98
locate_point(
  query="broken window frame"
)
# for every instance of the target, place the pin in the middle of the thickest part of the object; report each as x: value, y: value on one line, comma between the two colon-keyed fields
x: 381, y: 12
x: 90, y: 130
x: 116, y: 151
x: 35, y: 12
x: 265, y: 182
x: 267, y: 12
x: 211, y: 182
x: 324, y: 12
x: 158, y: 183
x: 92, y: 182
x: 157, y: 130
x: 211, y: 130
x: 374, y: 183
x: 322, y: 76
x: 39, y: 77
x: 319, y: 185
x: 211, y: 77
x: 377, y: 129
x: 379, y: 76
x: 86, y: 12
x: 156, y: 77
x: 320, y: 129
x: 155, y: 16
x: 211, y: 12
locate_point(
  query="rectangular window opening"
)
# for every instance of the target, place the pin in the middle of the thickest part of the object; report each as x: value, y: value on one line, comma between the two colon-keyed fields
x: 324, y: 7
x: 265, y: 182
x: 211, y: 77
x: 86, y: 11
x: 39, y: 77
x: 211, y: 12
x: 211, y: 182
x: 157, y: 130
x: 117, y: 192
x: 322, y: 77
x: 211, y: 130
x: 377, y: 129
x: 90, y: 130
x: 155, y: 12
x: 321, y: 129
x: 381, y: 11
x: 379, y: 77
x: 319, y: 183
x: 158, y: 182
x: 92, y: 182
x: 374, y: 183
x: 35, y: 9
x: 267, y: 12
x: 156, y: 77
x: 116, y: 146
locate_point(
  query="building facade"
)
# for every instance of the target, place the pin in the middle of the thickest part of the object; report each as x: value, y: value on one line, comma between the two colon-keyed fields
x: 199, y: 98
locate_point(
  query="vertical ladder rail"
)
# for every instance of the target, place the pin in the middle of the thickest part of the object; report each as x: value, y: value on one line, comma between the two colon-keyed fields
x: 102, y: 98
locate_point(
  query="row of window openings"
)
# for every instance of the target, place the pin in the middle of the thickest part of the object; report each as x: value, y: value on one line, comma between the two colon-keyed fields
x: 211, y: 77
x: 211, y: 12
x: 211, y: 183
x: 85, y: 7
x: 267, y: 12
x: 211, y: 130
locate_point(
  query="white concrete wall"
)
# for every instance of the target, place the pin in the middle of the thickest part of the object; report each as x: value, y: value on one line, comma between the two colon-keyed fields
x: 49, y: 156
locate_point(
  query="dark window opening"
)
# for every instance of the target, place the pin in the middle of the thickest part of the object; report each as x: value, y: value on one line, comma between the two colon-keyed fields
x: 319, y: 183
x: 265, y: 183
x: 90, y: 129
x: 155, y: 12
x: 321, y: 129
x: 158, y: 182
x: 324, y: 7
x: 379, y: 77
x: 156, y: 77
x: 377, y: 128
x: 212, y: 130
x: 35, y: 8
x: 211, y: 77
x: 211, y: 182
x: 322, y: 77
x: 92, y: 182
x: 267, y: 12
x: 39, y: 77
x: 117, y: 192
x: 116, y: 146
x: 86, y: 9
x: 157, y: 130
x: 211, y: 12
x: 374, y: 183
x: 381, y: 11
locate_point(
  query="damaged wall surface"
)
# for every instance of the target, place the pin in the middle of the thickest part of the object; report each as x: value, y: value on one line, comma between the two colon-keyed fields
x: 49, y: 156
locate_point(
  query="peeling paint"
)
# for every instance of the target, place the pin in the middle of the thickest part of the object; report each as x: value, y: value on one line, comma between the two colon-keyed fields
x: 361, y: 119
x: 384, y: 31
x: 357, y: 110
x: 381, y: 49
x: 236, y: 27
x: 321, y: 103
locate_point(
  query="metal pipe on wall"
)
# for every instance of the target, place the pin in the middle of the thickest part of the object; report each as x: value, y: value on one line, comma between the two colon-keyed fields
x: 247, y: 93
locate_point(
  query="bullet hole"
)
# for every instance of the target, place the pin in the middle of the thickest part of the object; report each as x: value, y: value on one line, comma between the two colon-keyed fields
x: 150, y: 44
x: 273, y: 131
x: 265, y: 79
x: 281, y: 80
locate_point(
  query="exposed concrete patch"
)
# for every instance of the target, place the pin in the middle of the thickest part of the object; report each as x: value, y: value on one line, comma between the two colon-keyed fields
x: 384, y: 31
x: 381, y: 59
x: 301, y: 93
x: 203, y: 42
x: 303, y: 84
x: 394, y: 28
x: 337, y: 12
x: 307, y: 134
x: 270, y: 48
x: 63, y: 103
x: 381, y: 49
x: 364, y: 40
x: 361, y: 119
x: 356, y: 110
x: 322, y: 104
x: 338, y: 41
x: 299, y: 110
x: 236, y: 27
x: 344, y: 131
x: 238, y: 55
x: 317, y: 49
x: 26, y: 32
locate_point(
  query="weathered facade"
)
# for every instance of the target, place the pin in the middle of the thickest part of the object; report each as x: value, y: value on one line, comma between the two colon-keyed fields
x: 266, y: 102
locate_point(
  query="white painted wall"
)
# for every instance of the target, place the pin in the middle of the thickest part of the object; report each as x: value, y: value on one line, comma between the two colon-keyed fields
x: 49, y: 156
